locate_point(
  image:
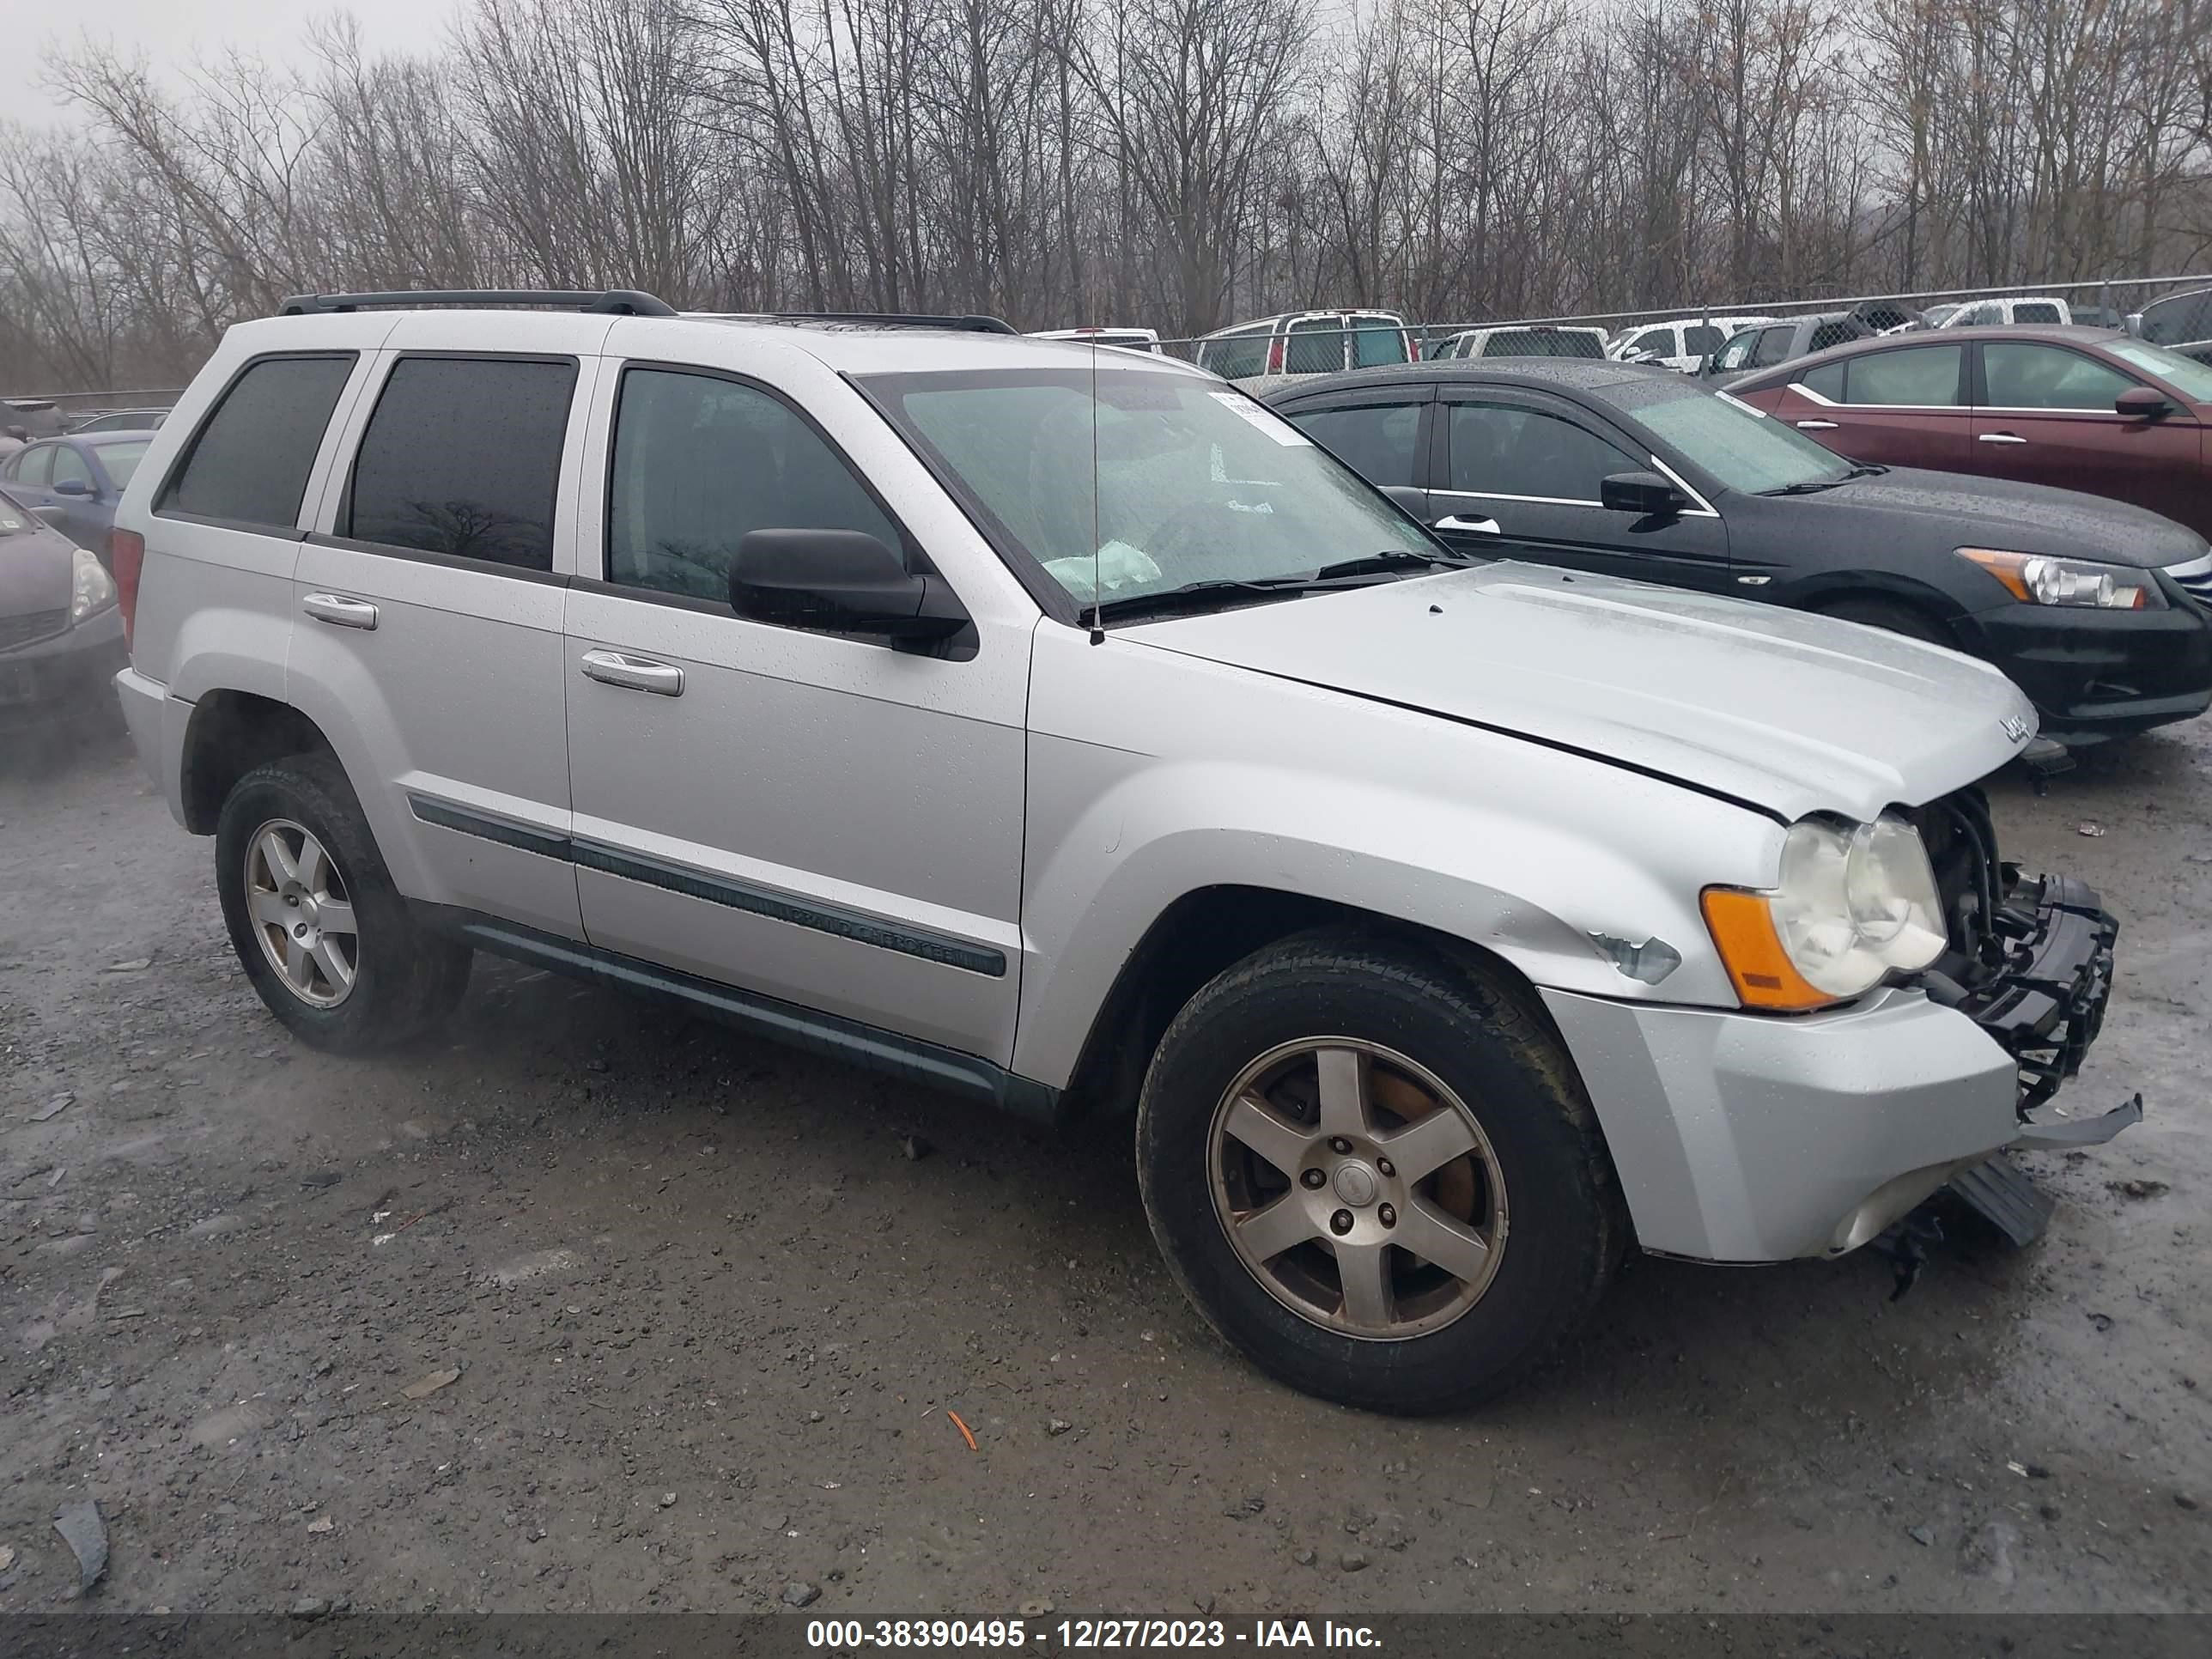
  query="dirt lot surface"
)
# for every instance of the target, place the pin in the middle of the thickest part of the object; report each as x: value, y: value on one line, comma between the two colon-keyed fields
x: 711, y: 1321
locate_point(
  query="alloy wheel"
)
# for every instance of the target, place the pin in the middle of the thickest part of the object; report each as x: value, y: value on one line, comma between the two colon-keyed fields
x: 1357, y: 1187
x: 301, y: 913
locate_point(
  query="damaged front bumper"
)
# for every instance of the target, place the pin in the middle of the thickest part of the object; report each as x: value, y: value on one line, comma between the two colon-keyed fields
x: 1741, y: 1137
x: 2047, y: 962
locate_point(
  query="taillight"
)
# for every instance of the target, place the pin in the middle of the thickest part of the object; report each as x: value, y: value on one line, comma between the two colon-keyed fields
x: 127, y: 553
x: 1275, y: 356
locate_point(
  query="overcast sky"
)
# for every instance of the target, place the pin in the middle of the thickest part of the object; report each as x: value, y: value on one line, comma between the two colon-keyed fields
x: 169, y: 32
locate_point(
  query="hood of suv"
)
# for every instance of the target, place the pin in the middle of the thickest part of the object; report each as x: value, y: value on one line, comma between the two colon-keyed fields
x: 1793, y: 713
x: 1953, y: 509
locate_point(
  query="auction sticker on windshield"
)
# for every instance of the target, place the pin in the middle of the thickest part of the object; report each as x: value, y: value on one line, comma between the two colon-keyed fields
x: 1272, y: 424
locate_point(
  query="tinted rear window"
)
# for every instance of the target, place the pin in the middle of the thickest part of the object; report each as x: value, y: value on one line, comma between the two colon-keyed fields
x: 250, y: 462
x: 1316, y: 347
x: 463, y: 456
x: 1378, y: 340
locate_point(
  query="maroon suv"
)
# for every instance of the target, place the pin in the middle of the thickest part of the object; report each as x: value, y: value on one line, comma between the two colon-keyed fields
x: 2080, y: 407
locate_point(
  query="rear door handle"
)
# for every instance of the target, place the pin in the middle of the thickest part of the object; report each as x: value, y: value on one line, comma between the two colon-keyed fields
x: 1477, y: 526
x: 634, y: 673
x: 1998, y: 438
x: 1816, y: 426
x: 339, y: 611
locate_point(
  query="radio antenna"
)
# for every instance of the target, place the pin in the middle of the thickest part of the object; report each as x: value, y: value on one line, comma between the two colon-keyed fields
x: 1098, y: 590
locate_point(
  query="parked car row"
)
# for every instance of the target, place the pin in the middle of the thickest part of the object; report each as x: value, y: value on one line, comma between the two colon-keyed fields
x: 2097, y: 611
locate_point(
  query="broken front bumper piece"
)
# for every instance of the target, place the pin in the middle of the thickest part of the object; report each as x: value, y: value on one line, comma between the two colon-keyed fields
x: 1741, y: 1137
x: 2048, y: 961
x: 2044, y: 1008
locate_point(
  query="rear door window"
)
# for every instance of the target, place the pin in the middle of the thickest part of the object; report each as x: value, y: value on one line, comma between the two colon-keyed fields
x: 1377, y: 441
x: 1827, y: 380
x: 250, y: 462
x: 2023, y: 376
x: 463, y: 457
x: 1701, y: 338
x: 1924, y: 376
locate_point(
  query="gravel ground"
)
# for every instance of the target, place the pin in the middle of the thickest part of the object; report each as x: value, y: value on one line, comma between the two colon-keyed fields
x: 588, y: 1305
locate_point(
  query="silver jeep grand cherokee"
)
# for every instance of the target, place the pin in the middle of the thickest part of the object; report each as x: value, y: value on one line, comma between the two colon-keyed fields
x: 1063, y: 728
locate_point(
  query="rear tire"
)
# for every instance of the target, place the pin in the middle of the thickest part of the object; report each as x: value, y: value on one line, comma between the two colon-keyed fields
x: 1290, y: 1226
x: 1895, y: 617
x: 326, y: 939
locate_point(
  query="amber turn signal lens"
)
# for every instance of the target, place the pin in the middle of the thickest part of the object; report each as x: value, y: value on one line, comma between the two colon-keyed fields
x: 1760, y: 968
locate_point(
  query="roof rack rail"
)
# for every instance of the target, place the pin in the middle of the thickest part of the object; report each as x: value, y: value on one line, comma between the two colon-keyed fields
x: 617, y: 301
x: 966, y: 324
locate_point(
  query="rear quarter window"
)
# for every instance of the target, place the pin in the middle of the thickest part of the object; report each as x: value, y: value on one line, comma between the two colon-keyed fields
x: 249, y: 462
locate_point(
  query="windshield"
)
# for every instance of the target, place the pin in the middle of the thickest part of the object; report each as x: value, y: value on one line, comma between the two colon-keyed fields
x: 122, y: 459
x: 2186, y: 375
x: 1193, y: 483
x: 1739, y: 446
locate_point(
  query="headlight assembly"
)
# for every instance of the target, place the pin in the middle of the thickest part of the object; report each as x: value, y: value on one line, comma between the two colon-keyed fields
x: 91, y: 589
x: 2039, y: 579
x: 1854, y: 904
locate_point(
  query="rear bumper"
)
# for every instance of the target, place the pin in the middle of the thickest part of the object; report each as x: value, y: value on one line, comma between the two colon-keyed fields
x: 1747, y: 1138
x: 65, y: 674
x: 2096, y: 675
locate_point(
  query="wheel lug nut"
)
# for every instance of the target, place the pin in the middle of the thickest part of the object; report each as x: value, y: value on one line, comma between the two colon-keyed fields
x: 1340, y: 1222
x: 1313, y: 1177
x: 1383, y: 1167
x: 1340, y: 1146
x: 1388, y: 1215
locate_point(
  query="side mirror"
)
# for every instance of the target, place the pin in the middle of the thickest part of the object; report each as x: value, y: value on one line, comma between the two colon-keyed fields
x: 72, y: 487
x: 1644, y: 493
x: 2144, y: 402
x: 844, y: 582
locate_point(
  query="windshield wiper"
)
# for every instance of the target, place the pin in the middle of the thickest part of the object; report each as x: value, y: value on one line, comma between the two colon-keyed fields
x: 1363, y: 572
x: 1814, y: 486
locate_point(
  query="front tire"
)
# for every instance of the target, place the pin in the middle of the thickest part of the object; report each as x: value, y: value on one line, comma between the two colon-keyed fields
x: 324, y: 936
x: 1374, y: 1172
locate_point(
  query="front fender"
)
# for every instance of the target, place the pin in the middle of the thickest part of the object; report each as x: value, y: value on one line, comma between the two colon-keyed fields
x: 1557, y: 847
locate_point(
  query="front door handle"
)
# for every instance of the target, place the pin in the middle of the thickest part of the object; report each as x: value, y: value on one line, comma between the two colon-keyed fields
x: 339, y: 611
x: 1477, y: 526
x: 634, y: 673
x: 1816, y: 426
x: 1998, y: 438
